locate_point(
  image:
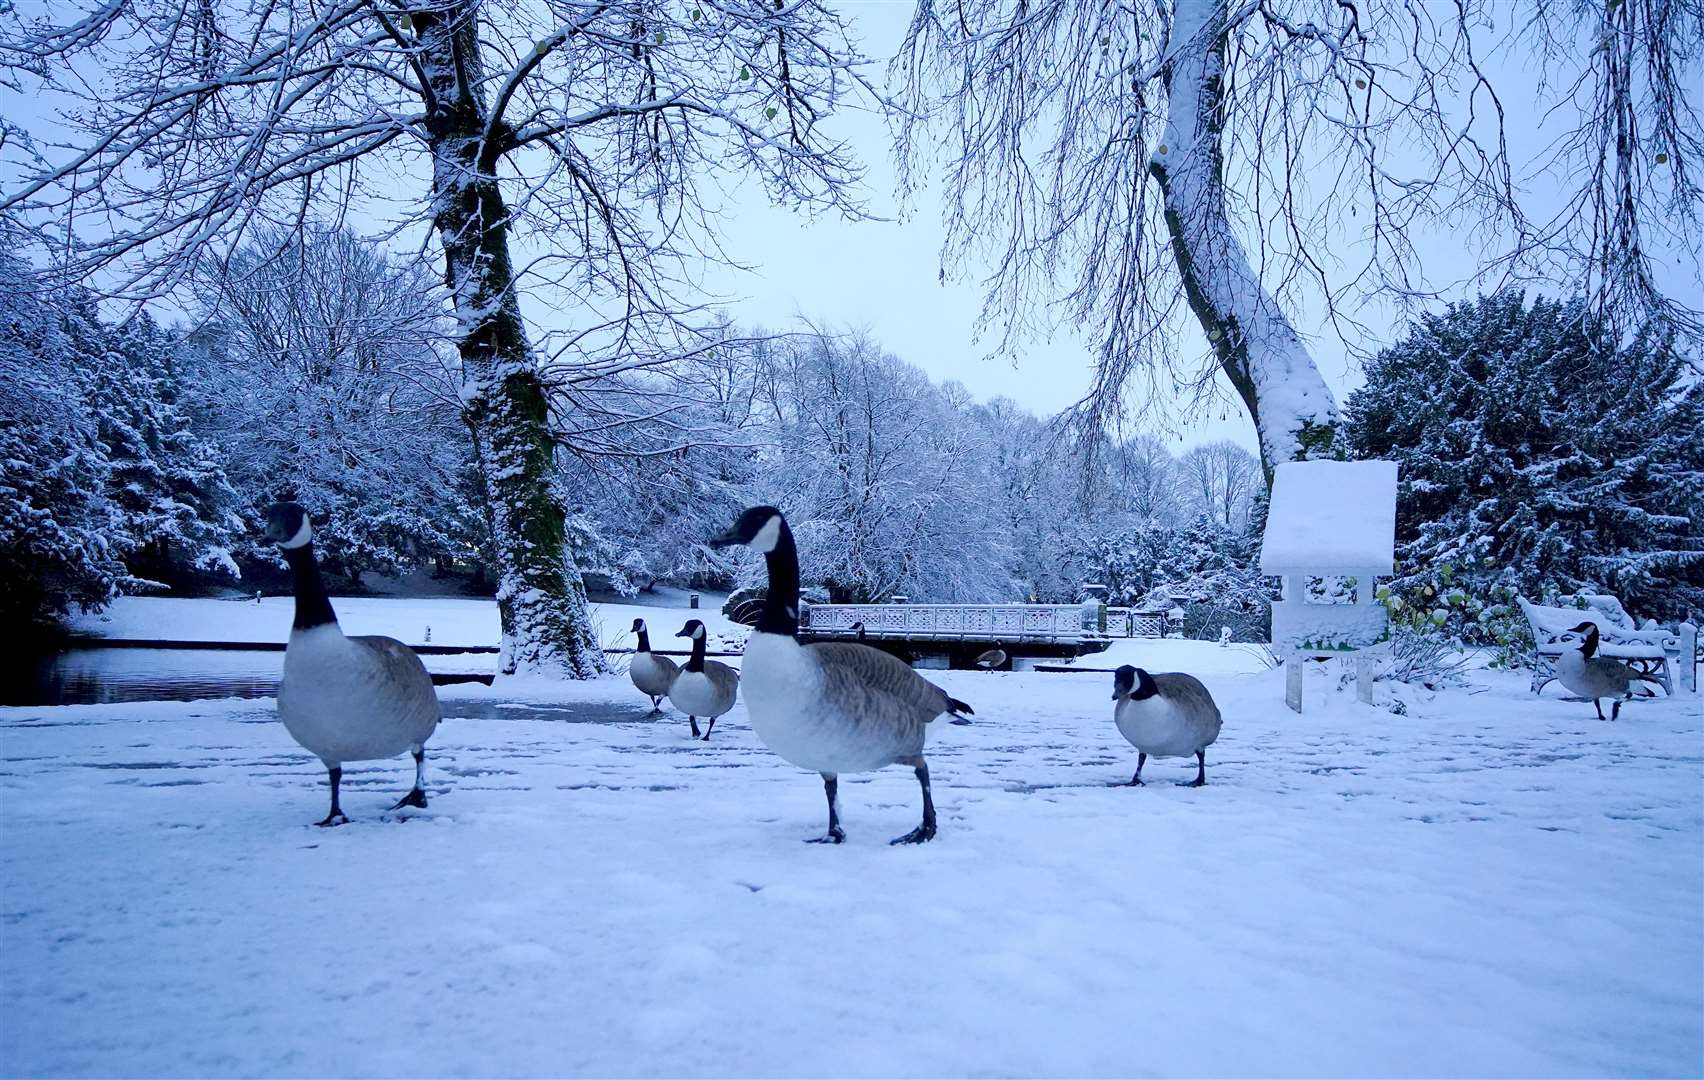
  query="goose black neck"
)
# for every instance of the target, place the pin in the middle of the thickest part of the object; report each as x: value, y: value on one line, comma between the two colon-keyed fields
x: 695, y: 662
x: 313, y: 606
x: 644, y: 641
x: 781, y: 605
x: 1590, y: 645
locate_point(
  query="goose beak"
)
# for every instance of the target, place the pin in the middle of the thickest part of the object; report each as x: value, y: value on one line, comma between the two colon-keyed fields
x: 727, y: 539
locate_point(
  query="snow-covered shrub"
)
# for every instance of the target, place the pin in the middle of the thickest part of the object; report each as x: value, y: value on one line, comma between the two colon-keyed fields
x: 1211, y: 572
x: 1537, y: 455
x: 1488, y: 615
x: 1424, y: 656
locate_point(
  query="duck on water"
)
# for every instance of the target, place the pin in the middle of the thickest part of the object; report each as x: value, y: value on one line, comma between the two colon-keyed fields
x: 832, y: 707
x: 346, y: 698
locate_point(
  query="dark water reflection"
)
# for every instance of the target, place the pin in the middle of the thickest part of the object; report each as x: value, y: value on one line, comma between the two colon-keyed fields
x: 98, y: 676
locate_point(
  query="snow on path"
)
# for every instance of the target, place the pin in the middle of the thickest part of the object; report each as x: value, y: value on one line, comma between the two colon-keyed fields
x: 1493, y: 886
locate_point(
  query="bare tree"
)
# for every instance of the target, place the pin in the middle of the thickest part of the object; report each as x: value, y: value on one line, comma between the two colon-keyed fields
x: 882, y: 472
x: 1146, y: 475
x: 1240, y: 157
x: 582, y: 128
x: 1221, y: 478
x: 326, y: 379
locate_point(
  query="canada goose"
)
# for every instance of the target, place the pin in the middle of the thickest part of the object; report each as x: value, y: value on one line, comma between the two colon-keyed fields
x: 1592, y: 676
x: 1166, y: 715
x: 703, y: 687
x: 858, y: 631
x: 652, y: 674
x: 346, y: 698
x: 992, y: 660
x: 833, y: 707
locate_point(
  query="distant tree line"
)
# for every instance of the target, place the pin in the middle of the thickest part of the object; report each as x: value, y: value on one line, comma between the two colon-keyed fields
x: 316, y: 369
x: 1538, y: 454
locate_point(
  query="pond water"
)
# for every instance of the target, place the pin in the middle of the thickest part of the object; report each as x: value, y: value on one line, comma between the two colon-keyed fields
x: 98, y: 676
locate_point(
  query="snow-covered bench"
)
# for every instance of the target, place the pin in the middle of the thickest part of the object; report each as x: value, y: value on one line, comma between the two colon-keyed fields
x: 1620, y: 638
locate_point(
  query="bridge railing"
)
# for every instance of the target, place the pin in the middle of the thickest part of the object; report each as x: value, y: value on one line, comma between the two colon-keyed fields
x: 1123, y: 622
x: 961, y: 622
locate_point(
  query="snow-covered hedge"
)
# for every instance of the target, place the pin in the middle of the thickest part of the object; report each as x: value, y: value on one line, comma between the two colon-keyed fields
x: 1538, y: 455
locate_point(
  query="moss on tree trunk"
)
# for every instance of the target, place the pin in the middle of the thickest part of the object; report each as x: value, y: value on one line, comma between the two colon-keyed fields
x: 546, y: 622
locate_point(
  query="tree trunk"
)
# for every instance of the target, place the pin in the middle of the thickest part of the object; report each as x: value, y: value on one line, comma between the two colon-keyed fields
x: 1260, y: 352
x: 547, y: 628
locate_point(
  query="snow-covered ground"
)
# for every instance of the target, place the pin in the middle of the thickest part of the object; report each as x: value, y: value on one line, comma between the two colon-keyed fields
x: 450, y: 620
x: 1492, y: 885
x: 1176, y: 654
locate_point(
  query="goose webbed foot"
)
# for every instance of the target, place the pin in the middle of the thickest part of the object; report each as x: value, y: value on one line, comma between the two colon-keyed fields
x: 695, y: 732
x: 334, y: 818
x: 835, y: 835
x: 415, y: 798
x: 709, y: 729
x: 1599, y: 707
x: 922, y: 834
x: 1134, y: 781
x: 1614, y: 711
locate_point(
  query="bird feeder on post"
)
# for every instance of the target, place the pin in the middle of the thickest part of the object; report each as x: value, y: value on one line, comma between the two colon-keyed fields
x: 1333, y: 522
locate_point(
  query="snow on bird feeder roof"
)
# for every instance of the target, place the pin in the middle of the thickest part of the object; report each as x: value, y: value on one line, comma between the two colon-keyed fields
x: 1332, y: 516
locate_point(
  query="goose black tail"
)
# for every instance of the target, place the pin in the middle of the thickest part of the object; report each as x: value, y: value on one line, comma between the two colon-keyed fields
x: 955, y: 707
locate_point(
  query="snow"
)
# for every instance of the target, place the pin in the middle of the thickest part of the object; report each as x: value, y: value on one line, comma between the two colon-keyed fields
x: 1331, y: 516
x: 453, y: 621
x: 1177, y: 654
x: 1495, y: 884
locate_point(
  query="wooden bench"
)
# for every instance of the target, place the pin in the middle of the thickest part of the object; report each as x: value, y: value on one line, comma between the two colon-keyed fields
x: 1619, y: 638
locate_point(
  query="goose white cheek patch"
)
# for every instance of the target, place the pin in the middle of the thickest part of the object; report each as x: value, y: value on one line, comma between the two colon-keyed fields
x: 303, y: 535
x: 768, y: 536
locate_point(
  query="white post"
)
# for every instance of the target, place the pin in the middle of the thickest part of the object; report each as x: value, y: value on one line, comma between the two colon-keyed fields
x: 1689, y: 657
x: 1293, y: 682
x: 1363, y: 679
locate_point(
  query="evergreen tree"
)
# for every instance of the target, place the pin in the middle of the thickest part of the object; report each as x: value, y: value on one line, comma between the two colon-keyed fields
x: 1538, y: 455
x: 55, y: 518
x: 175, y: 510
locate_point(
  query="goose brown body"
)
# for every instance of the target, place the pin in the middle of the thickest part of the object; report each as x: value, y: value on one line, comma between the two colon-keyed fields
x: 1596, y: 677
x: 830, y: 707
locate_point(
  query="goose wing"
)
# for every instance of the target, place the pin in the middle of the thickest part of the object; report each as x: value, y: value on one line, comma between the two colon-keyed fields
x: 1611, y: 674
x: 724, y: 678
x: 400, y: 677
x: 1191, y: 698
x: 866, y: 677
